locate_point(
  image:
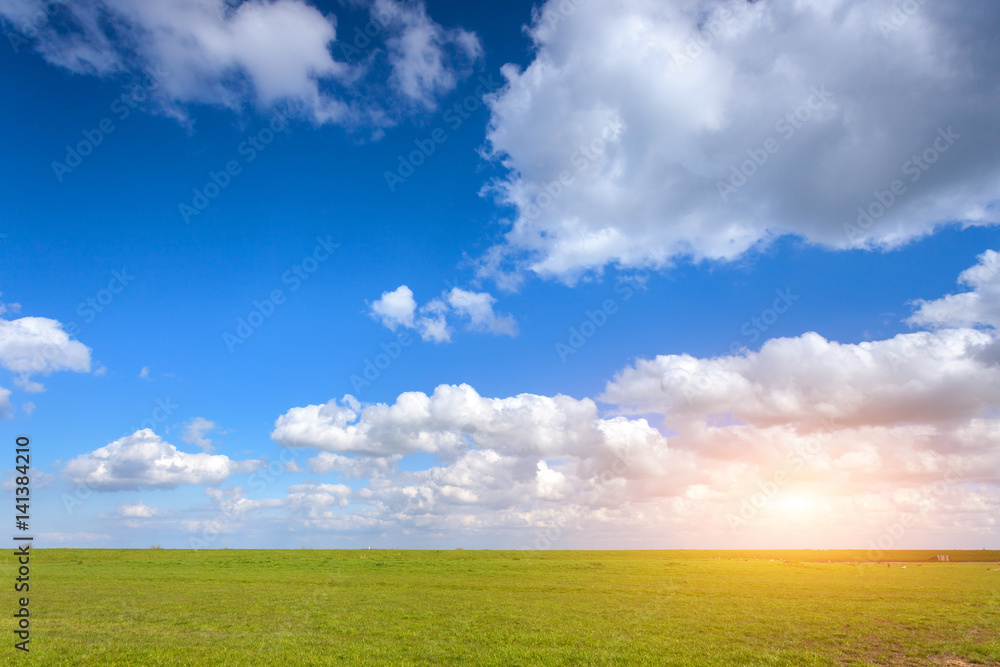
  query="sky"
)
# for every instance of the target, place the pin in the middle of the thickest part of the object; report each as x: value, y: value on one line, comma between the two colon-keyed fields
x: 575, y: 274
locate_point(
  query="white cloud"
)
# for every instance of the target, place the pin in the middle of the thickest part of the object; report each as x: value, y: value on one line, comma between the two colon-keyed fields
x: 357, y: 467
x: 395, y: 308
x: 398, y: 308
x: 9, y: 307
x: 921, y: 378
x: 143, y: 459
x: 27, y: 406
x: 644, y: 108
x: 6, y: 411
x: 478, y: 307
x: 138, y: 510
x: 859, y: 433
x: 425, y: 58
x: 31, y: 345
x: 260, y: 52
x: 195, y: 431
x: 448, y: 422
x: 981, y: 306
x: 144, y: 373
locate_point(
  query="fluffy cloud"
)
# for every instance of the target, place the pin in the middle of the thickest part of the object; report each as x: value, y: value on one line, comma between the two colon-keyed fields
x: 31, y: 345
x: 447, y: 423
x: 981, y: 306
x: 195, y: 431
x: 138, y: 510
x: 259, y: 52
x: 809, y: 381
x: 424, y: 57
x: 143, y: 459
x: 626, y: 135
x: 398, y: 308
x: 836, y: 439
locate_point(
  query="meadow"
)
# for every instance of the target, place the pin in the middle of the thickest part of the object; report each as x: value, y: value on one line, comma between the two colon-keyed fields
x: 387, y: 607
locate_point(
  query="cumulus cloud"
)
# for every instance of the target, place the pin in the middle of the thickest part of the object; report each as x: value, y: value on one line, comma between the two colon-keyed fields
x: 395, y: 308
x: 38, y: 345
x: 448, y: 422
x: 256, y: 53
x: 398, y: 308
x: 195, y: 431
x: 143, y: 459
x: 643, y: 131
x: 808, y: 381
x: 139, y: 510
x: 843, y: 438
x: 980, y: 306
x: 6, y: 410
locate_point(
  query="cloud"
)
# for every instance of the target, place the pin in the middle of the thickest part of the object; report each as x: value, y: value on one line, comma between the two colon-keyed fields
x: 836, y: 440
x: 144, y: 373
x: 426, y: 59
x: 478, y: 307
x: 398, y: 308
x: 9, y: 307
x: 6, y: 411
x: 808, y: 381
x: 31, y: 345
x: 359, y: 468
x: 73, y: 537
x: 195, y: 431
x: 27, y: 406
x: 256, y: 53
x: 395, y: 308
x: 143, y: 459
x: 981, y: 306
x: 642, y: 132
x: 138, y: 510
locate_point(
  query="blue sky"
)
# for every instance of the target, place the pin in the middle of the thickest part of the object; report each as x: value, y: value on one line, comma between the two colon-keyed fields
x: 508, y: 419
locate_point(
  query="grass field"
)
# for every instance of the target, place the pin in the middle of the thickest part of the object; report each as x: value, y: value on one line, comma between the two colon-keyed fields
x: 312, y: 607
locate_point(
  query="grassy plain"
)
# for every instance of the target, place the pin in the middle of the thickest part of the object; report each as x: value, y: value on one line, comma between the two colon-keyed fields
x: 317, y: 607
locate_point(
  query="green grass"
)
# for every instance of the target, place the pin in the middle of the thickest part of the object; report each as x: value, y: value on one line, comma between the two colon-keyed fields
x: 311, y: 607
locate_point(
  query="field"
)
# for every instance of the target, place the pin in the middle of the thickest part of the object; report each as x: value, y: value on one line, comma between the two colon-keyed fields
x: 312, y: 607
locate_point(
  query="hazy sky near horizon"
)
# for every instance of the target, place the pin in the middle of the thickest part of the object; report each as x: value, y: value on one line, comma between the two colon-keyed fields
x: 570, y: 274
